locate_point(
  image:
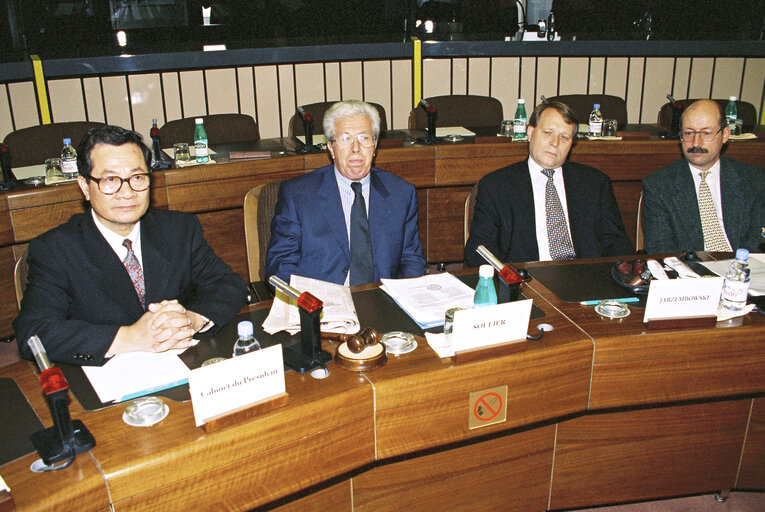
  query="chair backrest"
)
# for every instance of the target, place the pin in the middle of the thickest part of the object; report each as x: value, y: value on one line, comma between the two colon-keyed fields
x: 468, y: 216
x: 612, y: 107
x: 220, y: 128
x: 259, y: 203
x: 317, y: 111
x: 20, y: 271
x: 639, y: 225
x: 746, y: 112
x: 35, y: 144
x: 466, y: 110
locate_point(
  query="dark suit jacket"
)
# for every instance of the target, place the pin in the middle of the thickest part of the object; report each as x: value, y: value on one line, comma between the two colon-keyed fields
x: 309, y: 237
x: 79, y: 293
x: 504, y: 219
x: 671, y: 218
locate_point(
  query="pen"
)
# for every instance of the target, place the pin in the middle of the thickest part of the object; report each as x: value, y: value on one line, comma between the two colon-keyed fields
x: 595, y: 302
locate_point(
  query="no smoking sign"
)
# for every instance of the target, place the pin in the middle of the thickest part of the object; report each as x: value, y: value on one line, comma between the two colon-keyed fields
x: 487, y: 407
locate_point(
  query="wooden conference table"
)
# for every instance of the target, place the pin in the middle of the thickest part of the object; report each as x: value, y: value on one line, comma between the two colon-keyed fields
x: 598, y: 411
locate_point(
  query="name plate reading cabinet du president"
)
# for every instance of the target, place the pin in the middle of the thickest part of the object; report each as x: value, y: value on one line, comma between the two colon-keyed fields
x: 683, y: 302
x: 235, y: 387
x: 490, y: 330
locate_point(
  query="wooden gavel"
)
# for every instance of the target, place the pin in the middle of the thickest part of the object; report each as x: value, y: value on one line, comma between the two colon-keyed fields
x: 356, y: 342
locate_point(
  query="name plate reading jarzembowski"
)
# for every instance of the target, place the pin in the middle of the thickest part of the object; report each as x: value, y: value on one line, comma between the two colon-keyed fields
x: 491, y: 325
x: 682, y: 298
x: 235, y: 383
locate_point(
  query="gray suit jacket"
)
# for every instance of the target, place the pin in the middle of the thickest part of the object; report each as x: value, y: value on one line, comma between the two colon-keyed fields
x: 671, y: 219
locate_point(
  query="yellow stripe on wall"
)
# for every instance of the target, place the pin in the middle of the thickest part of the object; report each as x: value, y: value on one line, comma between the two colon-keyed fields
x: 417, y: 71
x: 42, y: 96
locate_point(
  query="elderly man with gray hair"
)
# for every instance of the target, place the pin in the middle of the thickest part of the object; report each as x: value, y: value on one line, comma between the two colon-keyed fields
x: 347, y: 223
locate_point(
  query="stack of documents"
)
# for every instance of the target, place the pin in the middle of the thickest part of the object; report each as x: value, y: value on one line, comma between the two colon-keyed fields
x: 338, y: 315
x: 425, y: 299
x: 756, y: 268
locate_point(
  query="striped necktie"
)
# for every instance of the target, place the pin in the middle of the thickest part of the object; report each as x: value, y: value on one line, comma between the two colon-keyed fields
x: 133, y: 267
x: 558, y: 237
x: 714, y: 238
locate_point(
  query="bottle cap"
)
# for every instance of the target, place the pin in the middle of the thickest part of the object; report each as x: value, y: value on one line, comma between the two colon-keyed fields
x: 521, y: 101
x: 244, y: 329
x: 732, y: 98
x: 742, y: 254
x: 67, y: 141
x: 199, y: 120
x: 596, y: 106
x: 486, y: 271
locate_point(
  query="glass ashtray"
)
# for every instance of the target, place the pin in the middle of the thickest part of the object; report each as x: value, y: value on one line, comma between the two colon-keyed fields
x: 612, y: 309
x: 398, y: 342
x: 145, y: 412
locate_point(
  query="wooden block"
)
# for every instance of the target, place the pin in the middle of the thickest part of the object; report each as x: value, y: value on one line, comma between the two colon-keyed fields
x: 245, y: 413
x: 501, y: 349
x: 6, y: 502
x: 673, y: 323
x: 249, y: 155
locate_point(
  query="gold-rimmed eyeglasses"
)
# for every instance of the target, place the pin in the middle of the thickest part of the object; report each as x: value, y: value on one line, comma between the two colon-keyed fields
x: 706, y: 135
x: 112, y: 184
x: 345, y: 140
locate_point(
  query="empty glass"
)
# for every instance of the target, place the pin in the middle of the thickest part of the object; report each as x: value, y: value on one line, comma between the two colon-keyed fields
x: 609, y: 127
x: 181, y: 151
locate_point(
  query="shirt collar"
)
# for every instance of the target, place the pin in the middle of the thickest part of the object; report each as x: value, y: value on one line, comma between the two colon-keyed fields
x: 115, y: 240
x: 346, y: 183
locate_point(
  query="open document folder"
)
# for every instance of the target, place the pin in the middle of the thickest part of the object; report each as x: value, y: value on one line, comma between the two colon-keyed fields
x: 338, y: 314
x: 425, y: 299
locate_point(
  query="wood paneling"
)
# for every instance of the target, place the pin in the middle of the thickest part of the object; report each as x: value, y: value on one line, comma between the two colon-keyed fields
x: 337, y: 498
x: 510, y: 473
x: 751, y: 473
x: 634, y: 455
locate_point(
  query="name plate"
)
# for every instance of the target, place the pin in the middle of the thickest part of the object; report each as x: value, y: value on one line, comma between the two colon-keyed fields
x: 491, y: 325
x: 683, y: 298
x: 235, y: 383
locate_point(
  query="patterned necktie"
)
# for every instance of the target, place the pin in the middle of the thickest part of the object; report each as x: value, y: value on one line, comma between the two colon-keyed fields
x: 714, y: 238
x: 362, y: 268
x: 133, y: 267
x: 558, y: 238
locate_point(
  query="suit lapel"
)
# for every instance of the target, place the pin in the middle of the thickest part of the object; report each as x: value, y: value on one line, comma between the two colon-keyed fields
x: 732, y: 213
x: 577, y: 211
x: 156, y: 263
x: 685, y: 203
x: 522, y: 204
x: 331, y: 210
x: 109, y: 272
x: 379, y: 206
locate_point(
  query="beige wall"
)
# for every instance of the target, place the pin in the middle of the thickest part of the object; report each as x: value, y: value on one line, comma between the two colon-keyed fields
x: 270, y: 93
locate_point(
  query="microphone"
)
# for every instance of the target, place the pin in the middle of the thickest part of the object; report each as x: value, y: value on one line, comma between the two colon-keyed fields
x: 9, y: 179
x: 432, y: 116
x: 304, y: 300
x: 510, y: 279
x: 677, y: 111
x: 308, y: 128
x: 66, y: 438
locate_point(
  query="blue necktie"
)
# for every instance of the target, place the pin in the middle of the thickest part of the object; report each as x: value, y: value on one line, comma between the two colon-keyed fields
x: 362, y: 268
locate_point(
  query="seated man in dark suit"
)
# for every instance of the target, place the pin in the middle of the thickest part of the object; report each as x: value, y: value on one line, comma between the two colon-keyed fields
x: 704, y: 201
x: 545, y: 208
x: 122, y: 277
x: 347, y: 223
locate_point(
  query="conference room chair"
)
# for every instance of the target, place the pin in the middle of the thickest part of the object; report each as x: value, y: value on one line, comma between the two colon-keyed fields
x: 259, y: 204
x: 612, y: 107
x: 220, y: 128
x: 468, y: 215
x: 639, y: 227
x: 466, y: 110
x: 35, y: 144
x: 746, y: 112
x: 317, y: 111
x: 20, y: 271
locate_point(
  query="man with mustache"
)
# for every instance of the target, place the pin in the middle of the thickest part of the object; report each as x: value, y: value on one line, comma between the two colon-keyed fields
x: 705, y: 201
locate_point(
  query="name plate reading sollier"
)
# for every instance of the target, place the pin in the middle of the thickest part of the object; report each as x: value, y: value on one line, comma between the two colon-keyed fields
x: 683, y: 298
x: 490, y: 325
x: 236, y: 383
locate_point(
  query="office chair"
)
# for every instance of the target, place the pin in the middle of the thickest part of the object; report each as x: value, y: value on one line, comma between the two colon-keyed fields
x: 746, y: 112
x: 20, y: 274
x: 259, y: 204
x: 466, y: 110
x: 639, y: 227
x: 468, y: 216
x: 35, y: 144
x: 317, y: 111
x: 612, y: 107
x: 220, y: 128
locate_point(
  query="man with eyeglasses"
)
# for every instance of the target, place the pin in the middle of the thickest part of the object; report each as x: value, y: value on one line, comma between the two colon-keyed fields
x: 704, y: 201
x: 546, y: 208
x: 122, y: 277
x: 347, y: 223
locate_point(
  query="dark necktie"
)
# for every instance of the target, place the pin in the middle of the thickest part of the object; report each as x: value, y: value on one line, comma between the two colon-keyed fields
x: 558, y: 237
x: 362, y: 268
x: 133, y: 267
x: 714, y: 238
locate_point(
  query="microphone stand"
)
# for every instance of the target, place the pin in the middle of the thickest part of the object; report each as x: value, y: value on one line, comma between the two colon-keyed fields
x: 9, y: 179
x: 307, y: 119
x: 311, y: 356
x: 432, y: 112
x: 509, y: 278
x: 67, y: 437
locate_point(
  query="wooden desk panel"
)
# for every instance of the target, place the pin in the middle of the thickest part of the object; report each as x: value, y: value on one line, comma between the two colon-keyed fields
x: 751, y: 474
x: 422, y: 401
x: 635, y: 455
x: 510, y: 473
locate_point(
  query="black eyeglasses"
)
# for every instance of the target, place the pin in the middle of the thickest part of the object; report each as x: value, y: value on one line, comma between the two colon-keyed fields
x: 112, y: 184
x: 706, y: 135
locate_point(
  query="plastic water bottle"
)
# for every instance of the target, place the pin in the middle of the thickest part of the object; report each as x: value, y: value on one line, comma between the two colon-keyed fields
x: 596, y: 121
x: 731, y: 111
x: 200, y: 142
x: 519, y: 122
x: 736, y: 285
x: 68, y: 160
x: 246, y: 342
x: 485, y: 293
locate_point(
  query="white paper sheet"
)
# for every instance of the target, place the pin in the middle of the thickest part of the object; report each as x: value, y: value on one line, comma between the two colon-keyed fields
x: 443, y: 131
x: 425, y: 299
x: 756, y: 267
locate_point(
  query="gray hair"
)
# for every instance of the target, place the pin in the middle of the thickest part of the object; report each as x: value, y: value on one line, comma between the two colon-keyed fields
x: 350, y: 108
